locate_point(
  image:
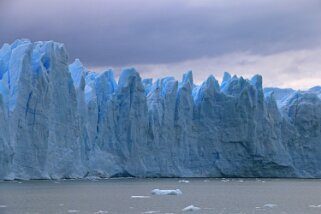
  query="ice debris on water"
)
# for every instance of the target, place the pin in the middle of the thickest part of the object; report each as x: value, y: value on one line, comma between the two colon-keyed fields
x: 166, y: 192
x: 191, y: 208
x: 315, y: 206
x: 73, y: 211
x: 101, y: 212
x: 270, y: 205
x: 140, y: 196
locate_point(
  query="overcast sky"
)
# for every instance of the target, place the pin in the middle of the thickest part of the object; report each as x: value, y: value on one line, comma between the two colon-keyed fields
x: 280, y: 40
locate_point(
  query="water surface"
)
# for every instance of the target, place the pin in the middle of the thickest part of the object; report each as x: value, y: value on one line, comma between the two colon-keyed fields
x: 133, y: 196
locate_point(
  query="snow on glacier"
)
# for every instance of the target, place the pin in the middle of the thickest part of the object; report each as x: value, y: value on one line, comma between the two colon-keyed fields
x: 63, y: 121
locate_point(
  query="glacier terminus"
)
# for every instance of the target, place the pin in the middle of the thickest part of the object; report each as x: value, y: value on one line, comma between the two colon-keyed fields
x: 63, y: 121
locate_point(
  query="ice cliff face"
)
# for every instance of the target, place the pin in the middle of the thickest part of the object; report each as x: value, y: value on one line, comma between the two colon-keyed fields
x: 62, y: 121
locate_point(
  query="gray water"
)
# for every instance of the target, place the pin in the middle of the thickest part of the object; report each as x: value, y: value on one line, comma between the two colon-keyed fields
x: 115, y: 196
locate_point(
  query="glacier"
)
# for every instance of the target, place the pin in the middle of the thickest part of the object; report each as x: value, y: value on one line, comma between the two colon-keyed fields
x: 64, y: 121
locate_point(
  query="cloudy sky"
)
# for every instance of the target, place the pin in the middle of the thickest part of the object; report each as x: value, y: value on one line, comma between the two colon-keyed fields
x: 280, y: 40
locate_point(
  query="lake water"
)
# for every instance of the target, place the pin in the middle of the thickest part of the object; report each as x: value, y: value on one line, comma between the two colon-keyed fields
x: 115, y: 196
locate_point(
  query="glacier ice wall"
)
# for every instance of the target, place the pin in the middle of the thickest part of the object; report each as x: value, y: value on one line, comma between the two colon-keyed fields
x: 63, y: 121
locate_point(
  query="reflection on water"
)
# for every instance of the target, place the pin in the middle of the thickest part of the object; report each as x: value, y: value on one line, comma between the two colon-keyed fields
x: 134, y: 196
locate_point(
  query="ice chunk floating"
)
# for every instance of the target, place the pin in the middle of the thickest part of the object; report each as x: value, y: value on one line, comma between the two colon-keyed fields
x: 183, y: 181
x: 270, y: 205
x: 166, y: 192
x: 140, y: 196
x: 191, y: 208
x: 63, y: 121
x: 315, y: 206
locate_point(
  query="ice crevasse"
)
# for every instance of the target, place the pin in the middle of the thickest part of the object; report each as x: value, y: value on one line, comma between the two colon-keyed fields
x: 63, y: 121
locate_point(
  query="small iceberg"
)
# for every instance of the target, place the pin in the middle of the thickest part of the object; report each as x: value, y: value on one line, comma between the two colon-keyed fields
x: 140, y: 196
x: 166, y: 192
x: 3, y: 206
x: 270, y: 205
x: 151, y: 211
x: 191, y: 208
x: 101, y: 212
x: 73, y: 211
x: 315, y: 206
x: 183, y: 181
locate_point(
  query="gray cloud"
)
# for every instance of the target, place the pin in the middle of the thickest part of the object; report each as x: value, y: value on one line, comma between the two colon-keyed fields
x: 120, y: 32
x: 299, y: 69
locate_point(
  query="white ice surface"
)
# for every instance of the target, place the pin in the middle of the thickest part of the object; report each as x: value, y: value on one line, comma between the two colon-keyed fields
x: 166, y: 192
x: 63, y: 121
x: 191, y: 208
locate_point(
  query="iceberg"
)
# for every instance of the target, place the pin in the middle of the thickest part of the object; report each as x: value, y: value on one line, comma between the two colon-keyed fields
x: 60, y: 120
x: 270, y: 205
x: 166, y: 192
x: 315, y: 206
x: 191, y: 208
x: 183, y: 181
x: 140, y: 196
